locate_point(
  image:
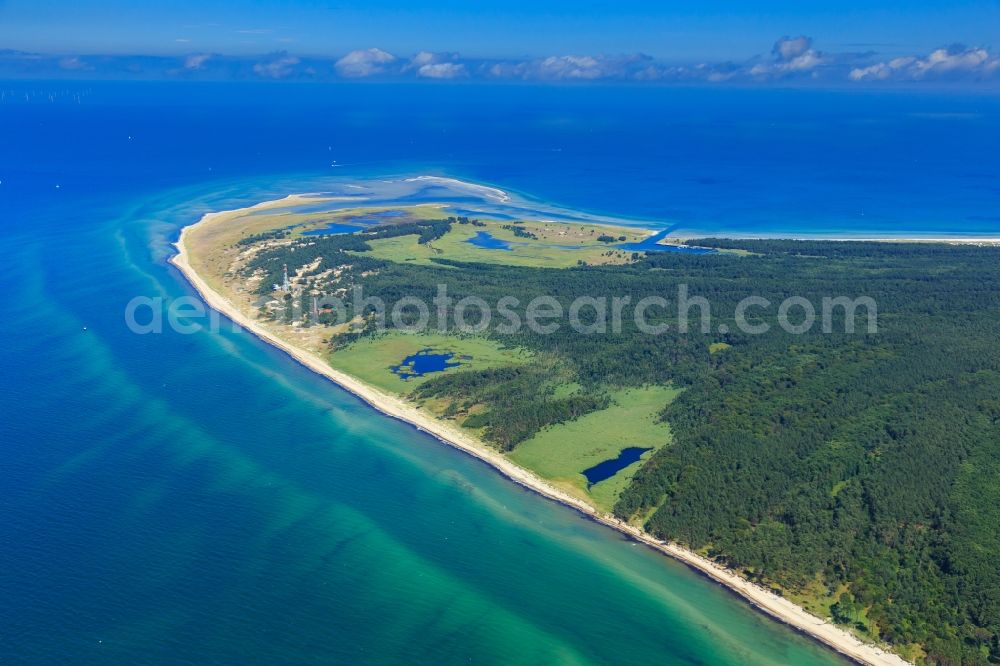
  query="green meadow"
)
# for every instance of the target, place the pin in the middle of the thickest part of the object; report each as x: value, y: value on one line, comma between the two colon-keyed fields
x: 558, y: 453
x: 561, y: 452
x: 370, y: 358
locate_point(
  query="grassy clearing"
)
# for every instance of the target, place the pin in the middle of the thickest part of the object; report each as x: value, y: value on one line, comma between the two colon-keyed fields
x: 370, y: 359
x: 562, y: 452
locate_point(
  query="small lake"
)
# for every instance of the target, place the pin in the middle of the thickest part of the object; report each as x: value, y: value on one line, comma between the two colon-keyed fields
x: 607, y: 469
x: 423, y: 362
x: 488, y: 241
x: 652, y: 244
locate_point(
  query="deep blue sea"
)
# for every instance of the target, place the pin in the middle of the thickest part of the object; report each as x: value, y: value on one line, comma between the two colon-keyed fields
x: 193, y: 499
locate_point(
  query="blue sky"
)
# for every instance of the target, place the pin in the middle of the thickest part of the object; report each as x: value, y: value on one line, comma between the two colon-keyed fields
x: 674, y: 31
x: 846, y: 42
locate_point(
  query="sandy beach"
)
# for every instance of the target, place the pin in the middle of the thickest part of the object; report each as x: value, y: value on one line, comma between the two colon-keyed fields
x: 777, y: 607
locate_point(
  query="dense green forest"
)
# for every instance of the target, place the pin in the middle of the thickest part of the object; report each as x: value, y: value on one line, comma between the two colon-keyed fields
x: 869, y: 462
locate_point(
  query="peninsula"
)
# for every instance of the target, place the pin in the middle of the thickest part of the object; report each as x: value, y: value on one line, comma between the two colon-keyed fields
x: 618, y: 425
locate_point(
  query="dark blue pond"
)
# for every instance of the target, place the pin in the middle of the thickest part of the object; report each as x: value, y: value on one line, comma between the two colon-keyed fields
x: 652, y: 244
x: 608, y: 468
x: 332, y: 228
x: 487, y: 241
x: 424, y: 362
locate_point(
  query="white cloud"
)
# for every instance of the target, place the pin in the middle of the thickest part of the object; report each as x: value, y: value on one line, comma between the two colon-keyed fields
x: 442, y: 70
x: 279, y: 67
x: 718, y: 77
x: 791, y: 60
x: 429, y: 58
x: 880, y: 71
x: 74, y: 63
x: 577, y: 68
x: 507, y: 70
x: 790, y: 48
x: 808, y: 60
x: 954, y: 62
x: 196, y: 60
x: 431, y: 65
x: 571, y: 67
x: 364, y: 62
x: 792, y: 55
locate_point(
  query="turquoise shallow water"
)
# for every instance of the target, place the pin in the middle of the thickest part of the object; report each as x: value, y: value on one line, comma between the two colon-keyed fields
x: 201, y: 498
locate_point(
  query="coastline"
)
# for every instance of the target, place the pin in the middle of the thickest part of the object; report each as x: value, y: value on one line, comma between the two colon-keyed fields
x: 777, y: 607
